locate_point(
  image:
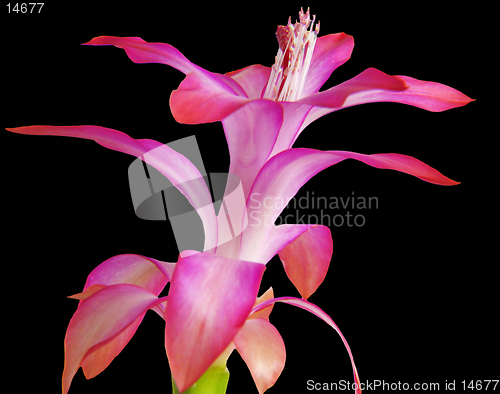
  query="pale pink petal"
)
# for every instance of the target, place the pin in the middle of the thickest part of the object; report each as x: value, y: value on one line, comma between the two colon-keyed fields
x: 140, y: 51
x: 373, y: 85
x: 263, y: 313
x: 251, y: 133
x: 315, y: 310
x: 209, y: 300
x: 177, y: 168
x: 252, y: 79
x: 284, y: 174
x: 148, y: 273
x: 87, y: 292
x: 99, y: 319
x: 101, y: 356
x: 195, y: 102
x: 261, y: 347
x: 307, y: 258
x: 330, y: 52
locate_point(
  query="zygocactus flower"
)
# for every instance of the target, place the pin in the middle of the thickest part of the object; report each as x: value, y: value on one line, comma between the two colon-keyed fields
x: 211, y: 305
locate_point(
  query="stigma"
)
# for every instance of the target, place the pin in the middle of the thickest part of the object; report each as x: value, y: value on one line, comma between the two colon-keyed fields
x: 296, y: 46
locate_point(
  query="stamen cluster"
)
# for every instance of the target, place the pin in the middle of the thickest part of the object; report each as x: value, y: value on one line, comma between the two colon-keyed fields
x: 296, y: 47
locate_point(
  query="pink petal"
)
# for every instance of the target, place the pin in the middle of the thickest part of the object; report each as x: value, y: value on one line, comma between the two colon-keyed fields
x: 105, y: 315
x: 177, y: 168
x: 295, y: 113
x: 150, y: 274
x: 202, y: 97
x: 263, y: 313
x: 261, y: 347
x: 330, y: 52
x: 251, y: 133
x: 373, y: 85
x: 284, y: 174
x: 252, y: 79
x: 307, y: 258
x: 315, y: 310
x: 209, y: 300
x: 195, y: 102
x: 101, y: 355
x: 140, y: 51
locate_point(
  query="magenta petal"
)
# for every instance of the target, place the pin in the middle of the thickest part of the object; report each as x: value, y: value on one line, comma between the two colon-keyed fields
x: 252, y: 79
x: 140, y: 51
x: 330, y: 52
x: 251, y: 133
x: 209, y: 300
x: 261, y: 347
x: 307, y: 258
x: 195, y: 102
x: 284, y: 174
x: 148, y: 273
x: 177, y: 168
x: 373, y: 86
x: 99, y: 319
x: 315, y: 310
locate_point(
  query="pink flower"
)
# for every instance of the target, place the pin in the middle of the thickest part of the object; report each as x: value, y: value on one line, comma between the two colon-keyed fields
x: 260, y: 122
x: 211, y: 306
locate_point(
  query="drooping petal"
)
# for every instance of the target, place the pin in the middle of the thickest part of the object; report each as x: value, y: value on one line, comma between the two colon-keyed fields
x: 148, y: 273
x: 104, y: 315
x: 307, y: 258
x: 330, y: 52
x: 315, y: 310
x: 101, y: 356
x: 177, y: 168
x: 251, y: 133
x: 261, y: 347
x: 252, y: 79
x: 209, y: 300
x: 196, y: 102
x: 373, y: 85
x: 284, y: 174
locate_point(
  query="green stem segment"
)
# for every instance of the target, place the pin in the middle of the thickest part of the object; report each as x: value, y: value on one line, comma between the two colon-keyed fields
x: 213, y: 381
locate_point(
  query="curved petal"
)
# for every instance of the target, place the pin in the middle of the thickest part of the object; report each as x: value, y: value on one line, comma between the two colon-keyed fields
x: 315, y: 310
x: 295, y: 114
x: 284, y: 174
x: 196, y: 102
x: 251, y: 133
x: 252, y: 79
x: 261, y: 347
x: 101, y: 356
x: 373, y: 85
x: 330, y: 52
x: 209, y: 300
x: 105, y: 315
x: 150, y: 274
x: 307, y: 258
x: 140, y: 51
x: 176, y: 167
x: 263, y: 313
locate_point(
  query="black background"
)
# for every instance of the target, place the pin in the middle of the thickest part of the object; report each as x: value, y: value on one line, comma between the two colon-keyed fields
x: 413, y: 290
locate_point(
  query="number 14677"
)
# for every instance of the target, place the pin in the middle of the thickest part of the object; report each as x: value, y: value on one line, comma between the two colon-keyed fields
x: 24, y: 8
